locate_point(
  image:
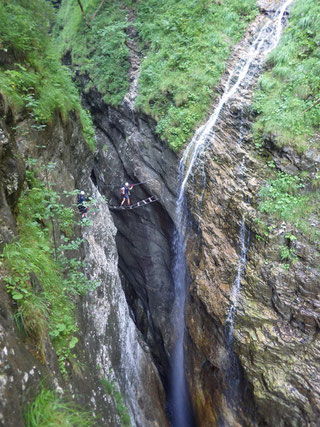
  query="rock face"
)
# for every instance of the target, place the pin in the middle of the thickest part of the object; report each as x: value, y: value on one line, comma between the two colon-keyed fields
x: 130, y: 151
x: 277, y: 313
x: 109, y: 345
x: 110, y: 337
x: 276, y: 335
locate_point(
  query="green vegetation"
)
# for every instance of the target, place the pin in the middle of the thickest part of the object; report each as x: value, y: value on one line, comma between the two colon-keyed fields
x: 187, y: 43
x: 33, y: 78
x: 287, y: 95
x: 293, y: 199
x: 110, y: 389
x: 98, y: 51
x: 49, y: 410
x: 40, y: 276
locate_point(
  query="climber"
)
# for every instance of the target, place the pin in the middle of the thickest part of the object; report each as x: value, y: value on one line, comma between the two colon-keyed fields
x: 125, y: 193
x: 83, y: 209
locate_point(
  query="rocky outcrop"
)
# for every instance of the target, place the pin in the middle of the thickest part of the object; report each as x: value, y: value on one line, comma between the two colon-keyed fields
x: 276, y: 335
x: 110, y: 336
x: 109, y: 344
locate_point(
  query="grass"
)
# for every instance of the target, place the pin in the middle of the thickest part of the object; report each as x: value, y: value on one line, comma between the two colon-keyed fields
x: 50, y: 410
x: 34, y: 80
x: 186, y: 43
x: 110, y: 390
x: 292, y: 83
x: 99, y: 52
x: 294, y: 199
x: 41, y: 277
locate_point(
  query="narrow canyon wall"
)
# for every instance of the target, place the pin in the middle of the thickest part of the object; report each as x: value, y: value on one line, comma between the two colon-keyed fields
x: 129, y: 150
x: 109, y: 345
x: 276, y: 335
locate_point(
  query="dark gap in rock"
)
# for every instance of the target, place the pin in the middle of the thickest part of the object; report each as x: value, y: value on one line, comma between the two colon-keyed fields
x: 94, y: 178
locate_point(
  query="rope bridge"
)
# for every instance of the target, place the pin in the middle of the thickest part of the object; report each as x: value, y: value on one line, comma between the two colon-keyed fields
x: 139, y: 204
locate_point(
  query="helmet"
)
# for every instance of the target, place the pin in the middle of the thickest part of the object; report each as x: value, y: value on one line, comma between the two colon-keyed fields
x: 82, y: 193
x: 127, y: 184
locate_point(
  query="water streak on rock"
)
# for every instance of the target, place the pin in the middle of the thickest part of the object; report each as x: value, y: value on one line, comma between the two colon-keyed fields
x: 244, y: 245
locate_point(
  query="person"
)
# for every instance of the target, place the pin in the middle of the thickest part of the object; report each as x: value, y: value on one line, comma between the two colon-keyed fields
x: 82, y: 199
x: 125, y: 193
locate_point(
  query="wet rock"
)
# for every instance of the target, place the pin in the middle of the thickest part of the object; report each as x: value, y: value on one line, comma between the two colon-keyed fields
x: 275, y: 338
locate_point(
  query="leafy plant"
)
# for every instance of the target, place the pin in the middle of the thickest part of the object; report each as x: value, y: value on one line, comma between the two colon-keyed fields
x: 41, y: 277
x: 50, y: 410
x: 287, y: 254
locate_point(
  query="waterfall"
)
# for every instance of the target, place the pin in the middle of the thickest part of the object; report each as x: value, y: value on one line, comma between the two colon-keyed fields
x: 242, y: 262
x: 179, y: 400
x: 240, y: 77
x: 242, y: 74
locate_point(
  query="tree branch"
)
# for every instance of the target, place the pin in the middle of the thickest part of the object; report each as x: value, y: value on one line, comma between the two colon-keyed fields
x: 96, y: 12
x: 313, y: 105
x: 83, y: 14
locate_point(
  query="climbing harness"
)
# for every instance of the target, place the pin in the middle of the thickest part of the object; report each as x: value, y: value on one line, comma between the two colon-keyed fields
x: 144, y: 202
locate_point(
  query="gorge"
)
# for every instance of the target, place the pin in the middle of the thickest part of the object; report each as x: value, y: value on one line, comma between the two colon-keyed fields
x: 201, y: 309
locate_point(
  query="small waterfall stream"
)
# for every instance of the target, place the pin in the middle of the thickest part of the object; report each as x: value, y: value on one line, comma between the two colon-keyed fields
x: 180, y: 406
x: 240, y: 77
x: 244, y: 245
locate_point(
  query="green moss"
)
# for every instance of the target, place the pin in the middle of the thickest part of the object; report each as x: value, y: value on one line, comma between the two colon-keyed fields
x: 50, y: 410
x: 292, y: 84
x: 34, y: 79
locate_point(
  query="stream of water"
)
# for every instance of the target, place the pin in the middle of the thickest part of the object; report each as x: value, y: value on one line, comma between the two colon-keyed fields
x: 181, y: 414
x: 240, y: 77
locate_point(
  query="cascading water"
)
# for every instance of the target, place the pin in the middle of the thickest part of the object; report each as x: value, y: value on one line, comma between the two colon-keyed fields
x: 179, y: 400
x: 240, y: 77
x: 242, y: 74
x: 244, y: 244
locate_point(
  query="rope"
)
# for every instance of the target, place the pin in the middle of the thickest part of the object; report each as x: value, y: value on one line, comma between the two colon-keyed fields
x: 137, y: 183
x: 139, y: 204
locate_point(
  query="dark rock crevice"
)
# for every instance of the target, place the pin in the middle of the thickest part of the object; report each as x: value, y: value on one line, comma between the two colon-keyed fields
x: 129, y: 150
